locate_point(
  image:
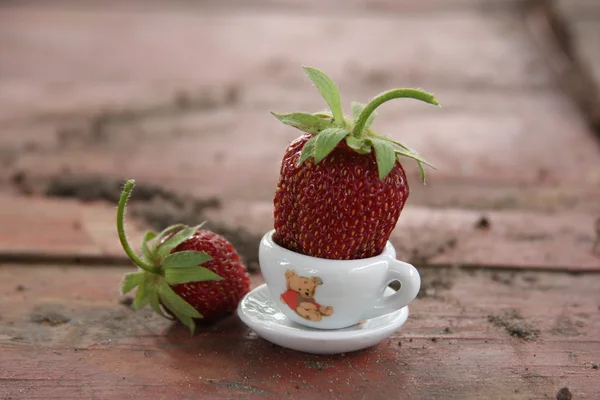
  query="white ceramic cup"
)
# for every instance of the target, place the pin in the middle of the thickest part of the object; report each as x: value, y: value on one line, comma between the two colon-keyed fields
x: 334, y: 294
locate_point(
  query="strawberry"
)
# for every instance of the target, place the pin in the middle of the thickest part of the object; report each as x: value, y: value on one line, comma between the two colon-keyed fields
x: 186, y: 272
x: 341, y: 187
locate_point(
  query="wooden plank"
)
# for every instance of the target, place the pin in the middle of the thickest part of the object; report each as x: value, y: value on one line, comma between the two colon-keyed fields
x: 91, y: 111
x: 442, y: 237
x: 315, y: 6
x: 72, y: 231
x: 565, y: 32
x: 456, y: 344
x: 39, y: 228
x: 583, y: 24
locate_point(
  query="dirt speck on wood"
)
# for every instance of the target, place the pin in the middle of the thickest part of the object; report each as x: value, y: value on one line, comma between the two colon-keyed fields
x: 506, y: 278
x: 84, y: 187
x: 483, y: 223
x: 160, y: 212
x: 436, y: 280
x: 18, y: 178
x: 126, y: 301
x: 99, y: 187
x: 238, y: 387
x: 530, y: 278
x: 316, y: 365
x: 530, y: 237
x: 51, y: 318
x: 422, y: 253
x: 566, y: 326
x: 515, y: 325
x: 564, y: 394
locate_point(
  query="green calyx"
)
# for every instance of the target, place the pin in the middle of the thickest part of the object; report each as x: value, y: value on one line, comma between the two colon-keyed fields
x: 329, y: 128
x: 159, y: 269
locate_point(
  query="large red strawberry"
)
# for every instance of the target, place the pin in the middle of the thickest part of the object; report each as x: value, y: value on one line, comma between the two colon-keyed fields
x: 189, y: 272
x: 341, y: 187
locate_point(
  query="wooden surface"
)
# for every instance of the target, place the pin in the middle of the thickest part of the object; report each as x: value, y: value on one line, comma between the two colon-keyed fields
x: 177, y: 94
x: 454, y: 344
x: 71, y: 231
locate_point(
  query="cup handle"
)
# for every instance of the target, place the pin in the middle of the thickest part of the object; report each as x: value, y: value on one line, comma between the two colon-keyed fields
x: 410, y: 281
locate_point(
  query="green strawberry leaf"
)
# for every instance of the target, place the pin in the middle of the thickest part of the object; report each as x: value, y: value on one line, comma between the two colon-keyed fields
x: 407, y: 152
x: 175, y: 303
x: 361, y: 146
x: 189, y: 322
x: 155, y: 303
x: 327, y: 141
x: 182, y: 310
x: 385, y: 156
x: 194, y: 274
x: 185, y: 259
x: 329, y: 91
x: 145, y: 248
x: 324, y: 114
x: 308, y: 150
x: 305, y: 122
x: 357, y: 109
x: 421, y: 171
x: 131, y: 280
x: 168, y: 230
x: 184, y: 319
x: 165, y: 248
x: 141, y: 296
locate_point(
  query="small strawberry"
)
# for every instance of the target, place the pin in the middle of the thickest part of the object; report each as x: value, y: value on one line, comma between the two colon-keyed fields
x: 171, y: 277
x: 341, y: 187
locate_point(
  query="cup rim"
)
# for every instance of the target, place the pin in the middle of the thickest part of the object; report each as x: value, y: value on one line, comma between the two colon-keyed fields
x: 268, y: 237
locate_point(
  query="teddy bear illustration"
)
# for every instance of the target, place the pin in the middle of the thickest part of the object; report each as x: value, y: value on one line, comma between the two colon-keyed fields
x: 300, y: 296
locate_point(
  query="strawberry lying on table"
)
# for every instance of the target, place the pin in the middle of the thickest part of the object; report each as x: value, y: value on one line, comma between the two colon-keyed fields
x: 188, y: 272
x: 341, y: 187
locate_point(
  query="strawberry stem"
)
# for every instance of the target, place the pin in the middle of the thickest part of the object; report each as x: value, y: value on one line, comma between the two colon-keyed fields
x: 387, y: 96
x: 121, y: 230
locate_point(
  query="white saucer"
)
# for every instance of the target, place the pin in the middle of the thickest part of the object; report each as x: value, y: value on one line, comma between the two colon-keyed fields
x: 260, y: 313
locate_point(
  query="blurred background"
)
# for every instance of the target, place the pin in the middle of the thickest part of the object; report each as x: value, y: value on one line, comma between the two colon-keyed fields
x: 177, y: 95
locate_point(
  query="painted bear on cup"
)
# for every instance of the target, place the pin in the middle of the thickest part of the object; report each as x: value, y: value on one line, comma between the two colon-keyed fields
x: 300, y: 296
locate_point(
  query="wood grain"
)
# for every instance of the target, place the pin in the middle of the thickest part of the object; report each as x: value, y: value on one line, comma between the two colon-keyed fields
x: 448, y: 348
